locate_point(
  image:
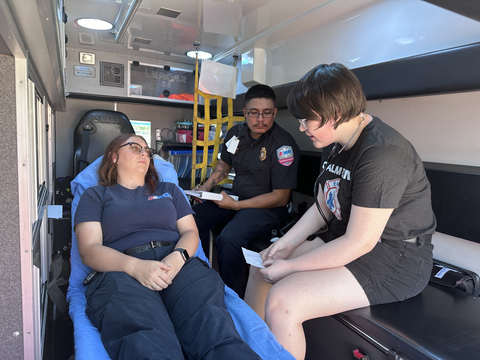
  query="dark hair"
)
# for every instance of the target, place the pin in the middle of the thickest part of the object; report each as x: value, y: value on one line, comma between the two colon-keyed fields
x: 329, y: 92
x: 260, y: 92
x: 107, y: 171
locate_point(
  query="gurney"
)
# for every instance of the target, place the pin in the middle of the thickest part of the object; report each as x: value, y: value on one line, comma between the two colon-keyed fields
x: 87, y: 339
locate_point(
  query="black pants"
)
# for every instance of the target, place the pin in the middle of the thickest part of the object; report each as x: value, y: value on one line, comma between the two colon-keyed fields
x: 188, y: 320
x: 240, y: 227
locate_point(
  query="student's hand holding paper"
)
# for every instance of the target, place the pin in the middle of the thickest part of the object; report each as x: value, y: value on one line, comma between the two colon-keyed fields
x: 280, y: 249
x: 276, y: 270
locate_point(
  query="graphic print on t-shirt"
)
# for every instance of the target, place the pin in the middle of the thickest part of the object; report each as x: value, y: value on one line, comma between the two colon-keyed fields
x: 331, y: 197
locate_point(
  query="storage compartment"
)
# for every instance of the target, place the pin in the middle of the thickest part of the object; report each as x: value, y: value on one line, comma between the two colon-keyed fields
x: 182, y: 162
x: 161, y: 82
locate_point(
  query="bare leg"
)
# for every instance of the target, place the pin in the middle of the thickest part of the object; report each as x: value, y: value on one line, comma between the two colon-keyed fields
x: 307, y: 295
x: 256, y: 291
x: 257, y: 288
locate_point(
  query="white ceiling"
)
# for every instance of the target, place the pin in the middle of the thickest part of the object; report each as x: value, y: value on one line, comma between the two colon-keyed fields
x: 224, y: 29
x: 295, y: 35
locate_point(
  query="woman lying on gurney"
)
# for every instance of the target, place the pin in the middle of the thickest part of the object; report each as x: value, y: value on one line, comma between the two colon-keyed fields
x: 148, y: 299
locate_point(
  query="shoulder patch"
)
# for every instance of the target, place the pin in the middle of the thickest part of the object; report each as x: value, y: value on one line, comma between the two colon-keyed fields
x: 285, y: 155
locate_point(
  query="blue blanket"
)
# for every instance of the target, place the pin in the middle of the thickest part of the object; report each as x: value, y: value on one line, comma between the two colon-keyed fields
x: 88, y: 344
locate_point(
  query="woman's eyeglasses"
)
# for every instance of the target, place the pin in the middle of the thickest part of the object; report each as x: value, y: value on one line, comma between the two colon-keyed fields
x: 303, y: 122
x: 137, y: 149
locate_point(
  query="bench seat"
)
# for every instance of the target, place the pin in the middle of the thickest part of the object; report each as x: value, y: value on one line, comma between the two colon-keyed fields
x: 440, y: 323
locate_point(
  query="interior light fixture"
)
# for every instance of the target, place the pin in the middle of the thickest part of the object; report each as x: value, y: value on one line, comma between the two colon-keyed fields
x: 94, y: 24
x: 202, y: 55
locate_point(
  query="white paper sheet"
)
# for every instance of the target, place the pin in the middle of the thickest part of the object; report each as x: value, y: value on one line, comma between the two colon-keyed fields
x: 253, y: 258
x: 207, y: 195
x: 204, y: 195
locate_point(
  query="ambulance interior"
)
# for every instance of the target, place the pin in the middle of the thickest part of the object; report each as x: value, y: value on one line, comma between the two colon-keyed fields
x: 416, y: 60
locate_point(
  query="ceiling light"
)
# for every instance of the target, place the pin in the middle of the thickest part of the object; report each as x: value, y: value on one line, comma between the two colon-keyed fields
x: 202, y: 55
x: 94, y: 24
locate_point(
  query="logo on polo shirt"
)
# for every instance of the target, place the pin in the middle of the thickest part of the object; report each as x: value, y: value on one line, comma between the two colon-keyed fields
x: 285, y: 155
x: 156, y: 197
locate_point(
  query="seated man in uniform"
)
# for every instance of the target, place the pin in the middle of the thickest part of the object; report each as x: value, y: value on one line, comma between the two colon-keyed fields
x: 265, y: 158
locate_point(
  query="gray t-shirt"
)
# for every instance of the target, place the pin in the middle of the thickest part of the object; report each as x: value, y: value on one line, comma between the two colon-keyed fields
x: 134, y: 217
x: 381, y: 170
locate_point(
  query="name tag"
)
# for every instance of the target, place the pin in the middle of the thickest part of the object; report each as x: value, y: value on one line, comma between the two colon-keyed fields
x: 232, y: 144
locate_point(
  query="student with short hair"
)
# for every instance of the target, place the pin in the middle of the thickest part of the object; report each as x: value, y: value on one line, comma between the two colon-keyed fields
x: 373, y: 206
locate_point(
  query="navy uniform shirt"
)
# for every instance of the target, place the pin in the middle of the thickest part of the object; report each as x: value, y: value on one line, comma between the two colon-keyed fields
x: 133, y: 217
x: 262, y: 165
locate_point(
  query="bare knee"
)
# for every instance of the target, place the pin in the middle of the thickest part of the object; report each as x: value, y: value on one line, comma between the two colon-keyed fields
x: 279, y: 309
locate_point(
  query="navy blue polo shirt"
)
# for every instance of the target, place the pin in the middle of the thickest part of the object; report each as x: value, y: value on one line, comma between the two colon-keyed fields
x: 133, y: 217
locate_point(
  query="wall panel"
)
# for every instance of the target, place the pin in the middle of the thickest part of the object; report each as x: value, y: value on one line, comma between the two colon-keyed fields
x: 443, y: 128
x: 10, y: 282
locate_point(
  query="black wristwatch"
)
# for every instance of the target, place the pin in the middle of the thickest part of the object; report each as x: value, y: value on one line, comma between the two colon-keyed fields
x: 183, y: 252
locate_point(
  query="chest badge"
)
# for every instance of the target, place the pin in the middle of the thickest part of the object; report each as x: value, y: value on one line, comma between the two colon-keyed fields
x: 263, y: 154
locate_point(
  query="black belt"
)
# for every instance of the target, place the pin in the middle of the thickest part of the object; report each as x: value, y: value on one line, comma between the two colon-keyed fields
x: 424, y: 239
x: 151, y: 245
x: 419, y: 240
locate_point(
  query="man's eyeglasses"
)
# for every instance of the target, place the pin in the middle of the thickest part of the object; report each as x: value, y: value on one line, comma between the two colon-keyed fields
x: 137, y: 149
x: 303, y: 122
x: 267, y: 114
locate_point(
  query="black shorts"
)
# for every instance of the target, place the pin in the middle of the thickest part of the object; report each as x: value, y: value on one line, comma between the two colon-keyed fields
x: 393, y: 271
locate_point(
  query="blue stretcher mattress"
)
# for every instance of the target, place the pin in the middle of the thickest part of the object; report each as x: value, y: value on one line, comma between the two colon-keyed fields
x: 88, y: 344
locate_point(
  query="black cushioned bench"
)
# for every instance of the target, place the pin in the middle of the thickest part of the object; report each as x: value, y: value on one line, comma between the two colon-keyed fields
x: 440, y: 323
